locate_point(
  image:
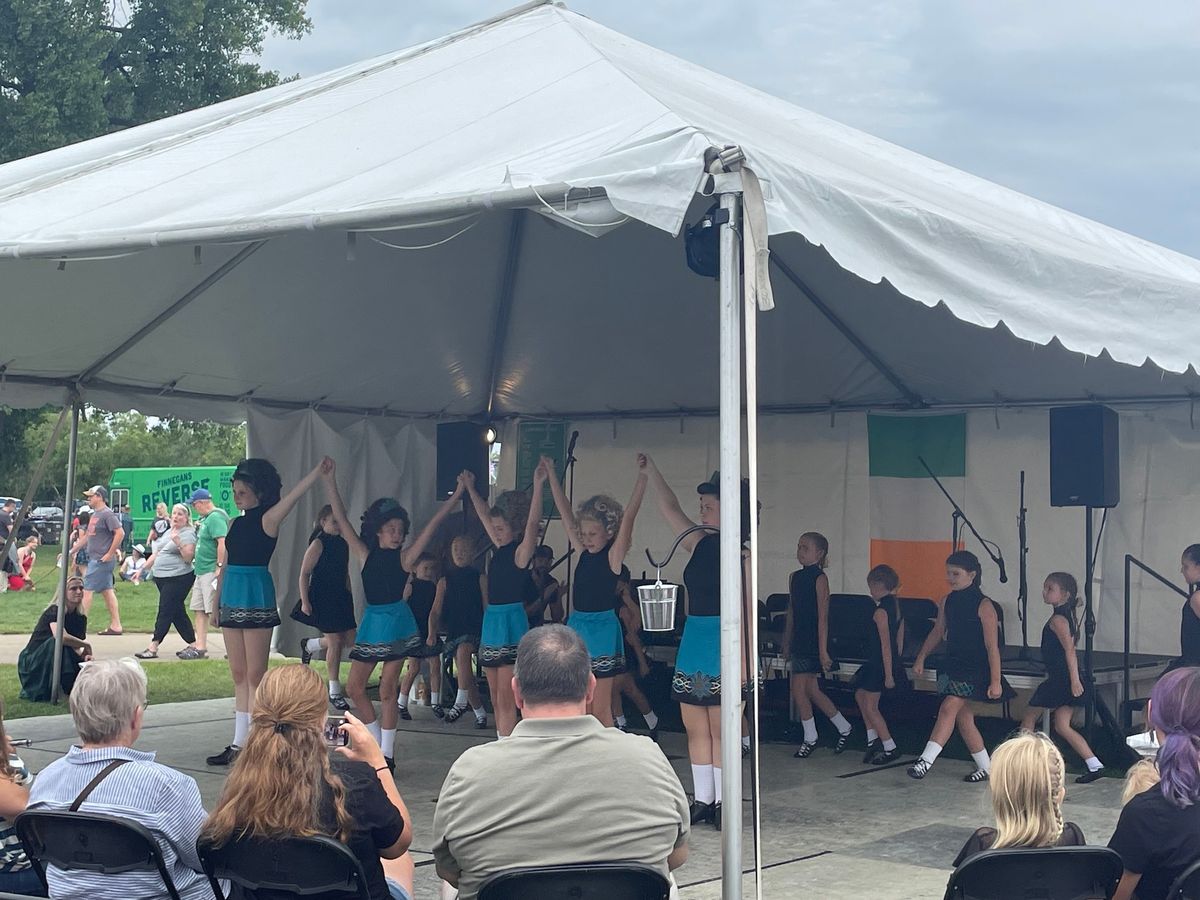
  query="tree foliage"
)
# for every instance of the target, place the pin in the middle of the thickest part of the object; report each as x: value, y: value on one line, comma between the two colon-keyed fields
x: 75, y: 69
x: 110, y: 441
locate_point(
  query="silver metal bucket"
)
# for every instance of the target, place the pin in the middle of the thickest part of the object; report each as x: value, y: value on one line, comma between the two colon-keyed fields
x: 658, y: 606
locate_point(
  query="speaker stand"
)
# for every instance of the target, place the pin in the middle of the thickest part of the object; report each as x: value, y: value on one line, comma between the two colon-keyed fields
x: 1089, y: 620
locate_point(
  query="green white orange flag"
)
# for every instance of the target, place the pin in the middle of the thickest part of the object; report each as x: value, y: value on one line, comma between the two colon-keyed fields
x: 910, y: 518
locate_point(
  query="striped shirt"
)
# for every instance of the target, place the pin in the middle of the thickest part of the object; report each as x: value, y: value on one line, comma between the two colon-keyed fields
x: 163, y: 800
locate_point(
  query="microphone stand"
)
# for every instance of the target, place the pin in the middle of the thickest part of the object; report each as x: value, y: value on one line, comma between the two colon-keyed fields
x: 1023, y: 571
x: 957, y: 517
x: 570, y: 554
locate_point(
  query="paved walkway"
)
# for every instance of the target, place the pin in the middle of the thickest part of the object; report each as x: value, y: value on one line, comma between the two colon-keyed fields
x: 117, y: 646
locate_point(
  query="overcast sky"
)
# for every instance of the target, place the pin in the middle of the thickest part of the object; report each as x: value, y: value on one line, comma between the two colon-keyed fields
x: 1093, y: 105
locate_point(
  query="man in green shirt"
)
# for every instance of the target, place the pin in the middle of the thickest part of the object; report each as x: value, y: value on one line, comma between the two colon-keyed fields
x: 209, y: 559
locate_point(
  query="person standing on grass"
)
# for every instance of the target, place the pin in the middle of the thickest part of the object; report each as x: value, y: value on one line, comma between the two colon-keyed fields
x: 170, y: 565
x: 102, y: 541
x: 211, y: 529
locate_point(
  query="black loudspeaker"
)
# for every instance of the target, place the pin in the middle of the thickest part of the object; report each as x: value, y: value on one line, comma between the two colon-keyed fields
x: 461, y: 445
x: 1085, y: 464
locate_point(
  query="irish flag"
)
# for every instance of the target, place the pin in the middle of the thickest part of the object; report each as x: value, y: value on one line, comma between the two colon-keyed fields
x: 910, y: 517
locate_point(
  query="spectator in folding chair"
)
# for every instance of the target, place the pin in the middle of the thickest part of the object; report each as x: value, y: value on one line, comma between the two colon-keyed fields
x: 107, y: 705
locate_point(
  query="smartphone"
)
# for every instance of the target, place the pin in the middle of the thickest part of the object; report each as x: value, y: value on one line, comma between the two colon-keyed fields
x: 334, y: 736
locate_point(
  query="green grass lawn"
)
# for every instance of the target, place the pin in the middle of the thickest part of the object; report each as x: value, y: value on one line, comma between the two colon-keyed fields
x: 19, y: 611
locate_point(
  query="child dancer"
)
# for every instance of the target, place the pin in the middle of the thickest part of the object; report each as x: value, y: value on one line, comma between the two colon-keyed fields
x: 883, y: 671
x: 325, y: 600
x: 625, y: 684
x: 1062, y: 688
x: 388, y: 632
x: 1189, y: 628
x: 968, y: 621
x: 244, y: 597
x: 459, y: 603
x: 601, y: 533
x: 806, y: 642
x: 696, y: 685
x: 504, y: 621
x: 421, y: 595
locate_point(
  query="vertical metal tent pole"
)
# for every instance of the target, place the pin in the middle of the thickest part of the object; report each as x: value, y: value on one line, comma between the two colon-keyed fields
x: 64, y: 543
x: 731, y: 549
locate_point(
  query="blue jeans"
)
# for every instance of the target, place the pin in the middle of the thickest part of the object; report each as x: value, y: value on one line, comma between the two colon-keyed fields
x: 23, y: 881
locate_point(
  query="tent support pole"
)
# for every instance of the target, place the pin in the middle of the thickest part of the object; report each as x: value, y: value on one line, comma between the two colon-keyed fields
x: 860, y: 345
x: 64, y: 542
x: 731, y: 548
x: 34, y: 481
x: 145, y: 330
x: 504, y: 302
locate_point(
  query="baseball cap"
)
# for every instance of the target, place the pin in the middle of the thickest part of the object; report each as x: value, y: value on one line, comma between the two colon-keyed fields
x: 199, y: 494
x: 712, y: 486
x: 97, y: 489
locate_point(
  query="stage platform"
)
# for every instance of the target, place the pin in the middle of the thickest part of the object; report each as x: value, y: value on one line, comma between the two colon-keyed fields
x: 832, y: 827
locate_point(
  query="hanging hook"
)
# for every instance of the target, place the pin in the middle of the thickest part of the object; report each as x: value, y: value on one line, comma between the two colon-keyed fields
x: 675, y: 546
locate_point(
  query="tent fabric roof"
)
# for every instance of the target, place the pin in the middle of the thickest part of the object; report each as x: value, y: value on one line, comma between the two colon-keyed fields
x: 517, y: 313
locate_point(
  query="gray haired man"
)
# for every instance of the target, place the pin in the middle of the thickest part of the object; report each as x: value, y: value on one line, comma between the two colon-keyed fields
x: 621, y: 800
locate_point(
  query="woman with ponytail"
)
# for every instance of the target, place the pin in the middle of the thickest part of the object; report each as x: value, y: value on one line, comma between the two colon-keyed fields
x: 286, y: 784
x: 1158, y: 834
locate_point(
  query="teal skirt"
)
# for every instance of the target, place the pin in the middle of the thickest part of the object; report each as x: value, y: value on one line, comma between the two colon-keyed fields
x: 503, y: 627
x: 248, y: 598
x: 697, y: 679
x: 605, y: 640
x: 387, y: 632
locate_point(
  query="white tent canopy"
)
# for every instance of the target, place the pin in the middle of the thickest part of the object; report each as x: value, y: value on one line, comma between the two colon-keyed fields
x: 169, y: 302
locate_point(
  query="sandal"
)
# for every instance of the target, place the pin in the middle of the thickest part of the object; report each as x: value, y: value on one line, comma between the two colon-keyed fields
x: 108, y: 632
x: 191, y: 653
x: 145, y: 654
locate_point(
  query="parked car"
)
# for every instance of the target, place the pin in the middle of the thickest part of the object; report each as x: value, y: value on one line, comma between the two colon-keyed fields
x: 45, y: 522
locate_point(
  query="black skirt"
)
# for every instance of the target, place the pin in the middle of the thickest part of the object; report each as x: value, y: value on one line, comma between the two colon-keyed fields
x: 331, y: 613
x: 869, y: 677
x: 1055, y: 692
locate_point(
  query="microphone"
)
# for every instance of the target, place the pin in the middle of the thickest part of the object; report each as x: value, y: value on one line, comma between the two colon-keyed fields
x: 1003, y: 573
x: 571, y: 445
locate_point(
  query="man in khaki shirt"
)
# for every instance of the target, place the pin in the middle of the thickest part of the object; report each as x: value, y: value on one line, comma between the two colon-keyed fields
x: 561, y: 788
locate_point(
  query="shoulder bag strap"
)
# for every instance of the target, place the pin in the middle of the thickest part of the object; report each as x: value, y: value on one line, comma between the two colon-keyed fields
x: 91, y: 785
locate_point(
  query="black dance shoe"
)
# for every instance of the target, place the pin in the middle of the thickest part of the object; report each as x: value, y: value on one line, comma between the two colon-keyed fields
x: 305, y: 656
x: 1089, y: 777
x: 225, y: 757
x: 872, y: 749
x: 882, y: 757
x: 716, y: 816
x: 843, y: 742
x: 701, y: 812
x: 403, y: 712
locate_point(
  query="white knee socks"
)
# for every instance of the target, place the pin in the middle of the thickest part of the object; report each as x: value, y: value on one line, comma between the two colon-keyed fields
x: 982, y: 760
x: 241, y: 728
x: 840, y: 722
x: 810, y: 730
x: 932, y: 749
x: 460, y: 699
x: 651, y: 719
x: 375, y: 729
x: 702, y: 784
x: 716, y: 770
x: 872, y: 735
x: 388, y: 742
x: 313, y: 645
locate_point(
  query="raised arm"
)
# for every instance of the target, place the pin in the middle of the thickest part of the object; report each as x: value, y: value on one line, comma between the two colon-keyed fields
x: 467, y: 480
x: 333, y: 496
x: 274, y: 516
x: 991, y: 640
x: 620, y: 547
x: 563, y: 504
x: 936, y: 633
x: 408, y: 557
x: 311, y: 556
x: 668, y: 503
x: 528, y: 543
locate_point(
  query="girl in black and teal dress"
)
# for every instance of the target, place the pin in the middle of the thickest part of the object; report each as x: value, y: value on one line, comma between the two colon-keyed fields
x: 325, y: 600
x: 601, y: 533
x: 883, y: 670
x: 505, y: 620
x: 421, y: 595
x: 244, y: 597
x: 696, y: 685
x: 1062, y: 688
x: 388, y: 633
x: 968, y: 621
x: 459, y: 603
x: 806, y: 642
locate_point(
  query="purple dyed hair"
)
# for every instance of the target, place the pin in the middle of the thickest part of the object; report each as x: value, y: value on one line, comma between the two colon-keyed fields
x: 1175, y: 711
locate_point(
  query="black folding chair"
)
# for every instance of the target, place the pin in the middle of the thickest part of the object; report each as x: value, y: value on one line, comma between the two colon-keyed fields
x: 579, y: 881
x: 299, y: 866
x: 1044, y: 873
x: 1187, y: 885
x: 90, y: 842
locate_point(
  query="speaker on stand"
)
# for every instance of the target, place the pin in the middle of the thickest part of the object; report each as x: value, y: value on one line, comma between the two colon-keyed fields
x: 1085, y: 470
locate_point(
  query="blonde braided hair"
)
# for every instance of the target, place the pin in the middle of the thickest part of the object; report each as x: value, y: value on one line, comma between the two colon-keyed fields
x: 1027, y: 787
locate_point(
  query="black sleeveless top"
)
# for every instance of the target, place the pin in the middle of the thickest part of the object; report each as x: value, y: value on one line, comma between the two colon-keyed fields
x: 330, y: 577
x: 702, y: 577
x: 595, y: 585
x: 421, y: 603
x: 247, y: 544
x: 506, y: 583
x: 964, y: 632
x: 383, y: 577
x: 1189, y: 631
x: 803, y: 590
x: 1053, y: 655
x: 890, y: 607
x: 462, y: 607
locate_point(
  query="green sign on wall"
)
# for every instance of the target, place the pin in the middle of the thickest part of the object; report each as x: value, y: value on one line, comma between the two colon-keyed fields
x: 535, y: 440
